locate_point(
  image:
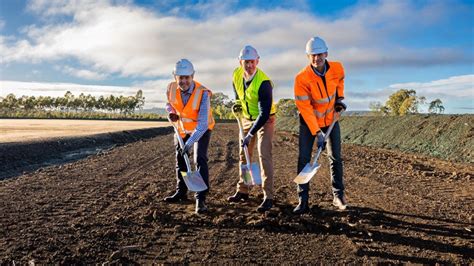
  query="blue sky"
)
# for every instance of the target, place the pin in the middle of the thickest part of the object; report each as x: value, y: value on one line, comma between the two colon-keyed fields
x: 118, y: 47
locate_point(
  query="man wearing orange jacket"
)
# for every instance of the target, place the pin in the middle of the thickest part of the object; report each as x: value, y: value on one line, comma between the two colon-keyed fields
x: 319, y: 91
x: 189, y: 102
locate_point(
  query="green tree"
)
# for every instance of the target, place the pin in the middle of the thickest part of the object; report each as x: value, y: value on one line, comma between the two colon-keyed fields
x: 221, y: 106
x: 377, y: 108
x: 140, y: 100
x: 11, y: 102
x: 436, y: 107
x: 404, y: 102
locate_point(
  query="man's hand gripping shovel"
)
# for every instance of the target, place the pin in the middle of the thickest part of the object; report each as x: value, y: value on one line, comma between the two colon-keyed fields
x: 312, y: 167
x: 250, y: 171
x: 193, y: 179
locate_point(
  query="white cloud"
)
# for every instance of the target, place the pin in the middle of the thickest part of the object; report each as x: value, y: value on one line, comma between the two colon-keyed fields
x: 453, y: 87
x: 133, y: 41
x: 82, y: 73
x: 116, y: 37
x: 58, y: 89
x: 454, y: 91
x: 2, y: 24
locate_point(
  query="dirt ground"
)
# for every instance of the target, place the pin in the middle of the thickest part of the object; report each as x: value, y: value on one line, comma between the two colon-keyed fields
x: 14, y: 130
x: 108, y: 208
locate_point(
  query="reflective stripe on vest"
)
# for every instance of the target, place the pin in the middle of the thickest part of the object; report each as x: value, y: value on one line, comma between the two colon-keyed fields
x: 325, y: 100
x: 320, y: 115
x: 302, y: 98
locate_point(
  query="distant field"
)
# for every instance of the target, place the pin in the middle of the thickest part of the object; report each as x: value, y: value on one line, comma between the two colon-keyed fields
x: 13, y: 130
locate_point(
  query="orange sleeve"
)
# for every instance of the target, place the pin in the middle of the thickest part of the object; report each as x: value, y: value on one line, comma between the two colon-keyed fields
x: 340, y: 85
x: 303, y: 103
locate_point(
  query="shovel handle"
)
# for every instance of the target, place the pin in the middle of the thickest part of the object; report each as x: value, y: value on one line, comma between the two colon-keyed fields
x: 326, y: 137
x: 246, y: 151
x: 181, y: 144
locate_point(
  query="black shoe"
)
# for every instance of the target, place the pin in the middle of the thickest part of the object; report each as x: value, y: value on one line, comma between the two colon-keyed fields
x: 303, y: 207
x: 176, y: 197
x: 201, y: 206
x: 266, y: 205
x: 238, y: 197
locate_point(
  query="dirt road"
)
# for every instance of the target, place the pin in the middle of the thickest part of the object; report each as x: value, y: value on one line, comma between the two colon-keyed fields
x: 109, y: 208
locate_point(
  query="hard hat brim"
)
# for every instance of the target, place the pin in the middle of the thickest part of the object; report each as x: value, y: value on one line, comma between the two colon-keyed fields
x: 321, y: 51
x: 249, y: 58
x: 182, y: 73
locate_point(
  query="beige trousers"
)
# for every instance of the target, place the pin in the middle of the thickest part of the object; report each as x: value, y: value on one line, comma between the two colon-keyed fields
x: 263, y: 138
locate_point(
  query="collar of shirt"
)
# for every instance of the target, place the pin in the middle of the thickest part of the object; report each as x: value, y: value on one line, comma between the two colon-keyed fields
x: 189, y: 91
x: 251, y: 77
x: 319, y: 73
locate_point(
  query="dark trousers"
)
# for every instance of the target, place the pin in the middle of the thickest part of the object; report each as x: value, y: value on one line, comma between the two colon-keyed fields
x: 202, y: 147
x: 333, y: 146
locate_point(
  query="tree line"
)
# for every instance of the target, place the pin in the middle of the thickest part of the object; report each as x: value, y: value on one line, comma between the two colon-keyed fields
x: 403, y: 102
x: 71, y: 103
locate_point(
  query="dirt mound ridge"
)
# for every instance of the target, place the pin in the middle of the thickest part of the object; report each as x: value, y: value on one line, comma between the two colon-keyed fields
x: 448, y: 137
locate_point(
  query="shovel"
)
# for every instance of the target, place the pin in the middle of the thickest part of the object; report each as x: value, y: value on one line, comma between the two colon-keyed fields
x: 193, y: 179
x: 250, y: 171
x: 312, y: 167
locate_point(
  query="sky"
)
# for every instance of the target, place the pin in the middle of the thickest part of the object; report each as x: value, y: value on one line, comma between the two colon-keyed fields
x: 103, y: 47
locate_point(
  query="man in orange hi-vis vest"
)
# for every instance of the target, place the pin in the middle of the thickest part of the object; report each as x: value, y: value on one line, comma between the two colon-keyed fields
x: 319, y: 93
x: 189, y: 102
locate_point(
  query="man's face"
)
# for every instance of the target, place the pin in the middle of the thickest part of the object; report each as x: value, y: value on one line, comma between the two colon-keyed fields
x: 184, y: 82
x: 249, y: 66
x: 317, y: 60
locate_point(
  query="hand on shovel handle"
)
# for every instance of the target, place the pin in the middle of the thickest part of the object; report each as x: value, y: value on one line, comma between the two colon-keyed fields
x: 246, y: 140
x: 321, y: 142
x: 173, y: 117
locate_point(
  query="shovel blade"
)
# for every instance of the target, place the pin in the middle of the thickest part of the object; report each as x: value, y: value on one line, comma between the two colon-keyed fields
x: 246, y: 174
x: 307, y: 173
x: 251, y: 175
x: 255, y: 171
x: 194, y: 181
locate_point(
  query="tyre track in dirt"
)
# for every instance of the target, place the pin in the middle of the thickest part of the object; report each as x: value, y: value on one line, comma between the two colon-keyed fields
x: 109, y: 208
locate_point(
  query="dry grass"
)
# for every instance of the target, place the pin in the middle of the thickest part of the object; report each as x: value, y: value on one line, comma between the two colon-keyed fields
x: 14, y: 130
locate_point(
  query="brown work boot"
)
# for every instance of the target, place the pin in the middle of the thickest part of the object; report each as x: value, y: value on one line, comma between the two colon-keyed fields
x: 238, y: 197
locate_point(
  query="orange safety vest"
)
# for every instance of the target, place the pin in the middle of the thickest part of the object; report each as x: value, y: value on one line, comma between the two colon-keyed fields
x: 189, y: 113
x: 314, y: 101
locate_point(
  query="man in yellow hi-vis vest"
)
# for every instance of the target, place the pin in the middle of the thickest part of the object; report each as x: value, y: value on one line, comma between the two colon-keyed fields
x: 189, y: 102
x: 254, y: 93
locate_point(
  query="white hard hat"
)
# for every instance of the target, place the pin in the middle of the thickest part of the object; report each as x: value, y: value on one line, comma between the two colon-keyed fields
x: 248, y: 53
x: 183, y: 68
x: 316, y: 45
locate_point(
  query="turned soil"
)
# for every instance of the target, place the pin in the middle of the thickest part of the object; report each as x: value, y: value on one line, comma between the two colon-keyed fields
x: 108, y: 207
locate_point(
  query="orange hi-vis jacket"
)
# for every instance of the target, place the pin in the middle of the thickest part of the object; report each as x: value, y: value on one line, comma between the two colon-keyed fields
x: 314, y: 100
x: 189, y: 113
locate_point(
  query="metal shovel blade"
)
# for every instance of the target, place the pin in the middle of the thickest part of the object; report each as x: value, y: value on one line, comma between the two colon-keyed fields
x: 251, y: 176
x: 246, y: 174
x: 256, y: 177
x: 194, y: 181
x: 307, y: 173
